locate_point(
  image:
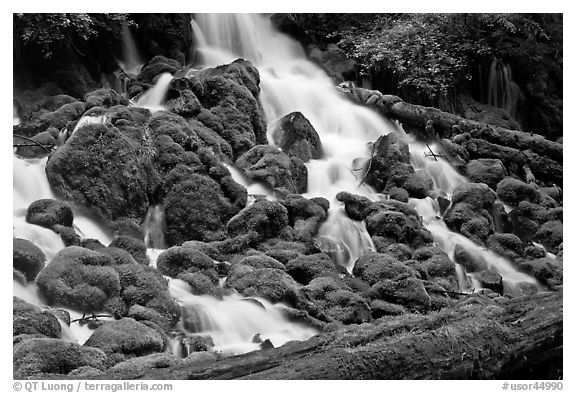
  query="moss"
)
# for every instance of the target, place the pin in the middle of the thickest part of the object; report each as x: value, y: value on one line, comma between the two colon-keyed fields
x: 27, y: 258
x: 29, y: 319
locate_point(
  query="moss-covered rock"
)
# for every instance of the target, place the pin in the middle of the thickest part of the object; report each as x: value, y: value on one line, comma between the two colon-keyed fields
x: 81, y: 279
x: 489, y: 171
x: 177, y: 260
x: 550, y: 235
x: 391, y: 163
x: 104, y: 98
x: 308, y: 267
x: 409, y: 292
x: 373, y: 267
x: 134, y: 246
x: 102, y: 168
x: 546, y: 270
x: 53, y: 356
x: 272, y: 284
x: 506, y: 244
x: 268, y: 219
x: 305, y: 215
x: 297, y: 137
x: 30, y: 319
x: 127, y: 337
x: 27, y: 258
x: 201, y: 284
x: 513, y: 191
x: 347, y: 307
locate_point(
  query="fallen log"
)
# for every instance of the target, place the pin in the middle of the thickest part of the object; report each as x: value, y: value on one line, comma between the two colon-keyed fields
x: 479, y: 338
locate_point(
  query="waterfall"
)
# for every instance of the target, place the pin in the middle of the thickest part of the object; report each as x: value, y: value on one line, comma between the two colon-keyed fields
x: 131, y: 61
x: 153, y: 98
x: 503, y: 92
x: 154, y: 228
x: 289, y: 82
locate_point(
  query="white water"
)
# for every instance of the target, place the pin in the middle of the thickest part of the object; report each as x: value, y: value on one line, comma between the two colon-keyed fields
x: 131, y: 61
x: 154, y: 98
x: 154, y: 228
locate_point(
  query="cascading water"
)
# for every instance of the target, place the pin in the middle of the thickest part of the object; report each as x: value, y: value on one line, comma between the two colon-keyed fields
x: 503, y: 92
x: 131, y: 61
x: 153, y: 98
x: 289, y: 82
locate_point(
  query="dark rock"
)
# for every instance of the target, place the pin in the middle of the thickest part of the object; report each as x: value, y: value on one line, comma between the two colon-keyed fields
x: 32, y: 150
x: 297, y: 137
x: 268, y: 219
x: 513, y: 159
x: 204, y: 218
x: 101, y: 167
x: 204, y: 248
x: 506, y: 244
x: 30, y: 319
x: 491, y: 280
x: 477, y: 229
x: 268, y: 165
x: 27, y: 258
x: 347, y: 307
x: 546, y: 270
x: 272, y: 284
x: 118, y: 255
x: 187, y: 105
x: 134, y: 246
x: 477, y: 195
x: 550, y: 235
x: 145, y: 286
x: 81, y: 279
x: 261, y: 261
x: 53, y: 356
x: 177, y: 260
x: 201, y: 284
x: 390, y: 152
x: 470, y: 261
x: 533, y: 252
x: 266, y: 344
x: 373, y: 267
x: 514, y: 191
x: 437, y: 265
x: 304, y: 215
x: 306, y: 268
x: 355, y: 205
x: 68, y: 235
x: 409, y: 292
x: 398, y: 194
x: 126, y: 337
x: 156, y: 66
x: 486, y: 170
x: 92, y: 244
x: 191, y: 344
x: 104, y: 98
x: 527, y: 218
x: 419, y: 184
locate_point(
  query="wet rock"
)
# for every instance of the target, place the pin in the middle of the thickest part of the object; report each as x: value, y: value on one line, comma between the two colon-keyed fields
x: 528, y: 217
x: 347, y: 307
x: 477, y: 229
x: 53, y: 356
x: 297, y: 137
x: 486, y: 170
x: 156, y: 66
x: 545, y: 169
x: 438, y: 266
x: 30, y: 319
x: 408, y: 292
x: 126, y: 337
x: 419, y: 184
x: 304, y: 215
x: 266, y: 344
x: 132, y: 245
x: 27, y: 149
x: 471, y: 261
x: 191, y: 344
x: 68, y: 235
x: 533, y: 252
x: 204, y: 248
x: 187, y: 105
x: 355, y: 205
x: 119, y: 256
x: 27, y: 258
x: 101, y: 167
x: 513, y: 159
x: 306, y: 268
x: 261, y: 261
x: 318, y: 288
x: 506, y: 244
x: 146, y: 287
x: 399, y: 194
x: 397, y: 222
x: 491, y: 280
x: 272, y: 284
x: 546, y: 270
x: 550, y: 235
x: 268, y: 165
x: 268, y: 219
x: 200, y: 284
x: 202, y: 219
x: 477, y: 195
x: 104, y: 98
x: 232, y: 95
x: 513, y: 191
x: 454, y: 153
x: 81, y: 279
x: 373, y: 267
x: 390, y: 152
x: 188, y: 83
x: 177, y: 260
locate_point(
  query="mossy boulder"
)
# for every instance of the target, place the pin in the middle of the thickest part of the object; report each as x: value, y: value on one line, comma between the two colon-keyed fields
x: 513, y: 191
x: 269, y: 165
x: 104, y: 98
x: 391, y: 163
x: 550, y: 235
x: 272, y: 284
x: 347, y: 307
x: 266, y: 218
x: 177, y: 260
x: 308, y: 267
x: 373, y: 267
x: 53, y: 356
x: 132, y: 245
x: 127, y: 337
x: 27, y: 258
x: 546, y: 270
x: 102, y: 168
x: 30, y: 319
x: 305, y: 215
x: 489, y: 171
x: 506, y: 244
x: 409, y: 292
x: 201, y: 284
x: 297, y: 137
x: 81, y: 279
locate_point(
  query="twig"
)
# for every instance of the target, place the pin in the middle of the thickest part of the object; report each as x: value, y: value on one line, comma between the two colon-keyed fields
x: 432, y: 154
x: 31, y: 140
x: 93, y: 316
x: 450, y: 292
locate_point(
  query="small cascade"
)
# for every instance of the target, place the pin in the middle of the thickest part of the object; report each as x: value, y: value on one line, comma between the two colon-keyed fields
x: 153, y: 98
x: 503, y: 92
x: 254, y: 188
x: 131, y: 61
x: 233, y: 323
x: 154, y: 228
x: 15, y: 116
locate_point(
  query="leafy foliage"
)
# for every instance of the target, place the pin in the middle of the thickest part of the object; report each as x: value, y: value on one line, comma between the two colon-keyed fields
x: 53, y: 31
x: 428, y: 56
